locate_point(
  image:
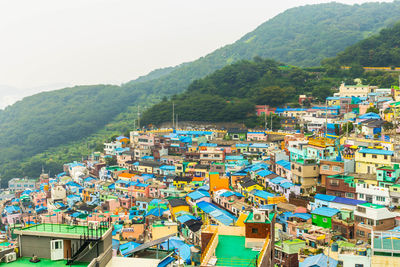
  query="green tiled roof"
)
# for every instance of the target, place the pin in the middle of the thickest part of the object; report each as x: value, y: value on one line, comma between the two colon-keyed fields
x: 374, y: 206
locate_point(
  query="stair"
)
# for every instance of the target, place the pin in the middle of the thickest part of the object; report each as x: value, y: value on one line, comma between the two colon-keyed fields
x: 78, y: 252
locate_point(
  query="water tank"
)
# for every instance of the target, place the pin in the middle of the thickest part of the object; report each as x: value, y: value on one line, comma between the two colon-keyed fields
x: 362, y: 252
x: 335, y: 247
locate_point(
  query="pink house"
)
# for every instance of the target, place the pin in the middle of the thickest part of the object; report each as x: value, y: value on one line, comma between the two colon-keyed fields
x: 256, y: 136
x: 139, y: 190
x: 40, y: 200
x: 363, y: 108
x: 262, y: 109
x: 126, y: 202
x: 146, y: 140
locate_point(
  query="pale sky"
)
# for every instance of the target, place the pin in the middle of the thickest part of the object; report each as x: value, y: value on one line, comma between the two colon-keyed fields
x: 48, y: 44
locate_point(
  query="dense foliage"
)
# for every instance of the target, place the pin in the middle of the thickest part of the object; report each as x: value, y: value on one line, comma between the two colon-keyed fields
x: 230, y: 94
x: 55, y: 127
x: 381, y: 50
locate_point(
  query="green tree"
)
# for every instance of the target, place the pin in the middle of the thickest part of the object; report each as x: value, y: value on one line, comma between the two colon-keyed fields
x: 373, y: 110
x: 111, y: 161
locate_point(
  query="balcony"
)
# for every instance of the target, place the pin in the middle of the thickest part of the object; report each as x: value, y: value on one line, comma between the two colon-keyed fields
x: 321, y: 142
x: 372, y: 190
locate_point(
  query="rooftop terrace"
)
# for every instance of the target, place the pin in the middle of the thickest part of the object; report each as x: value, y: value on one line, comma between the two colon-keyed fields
x: 64, y: 229
x: 231, y: 251
x: 22, y: 262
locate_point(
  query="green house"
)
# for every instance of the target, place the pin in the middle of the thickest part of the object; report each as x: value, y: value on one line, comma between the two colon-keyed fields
x: 387, y: 175
x: 290, y: 246
x: 323, y: 216
x: 236, y: 134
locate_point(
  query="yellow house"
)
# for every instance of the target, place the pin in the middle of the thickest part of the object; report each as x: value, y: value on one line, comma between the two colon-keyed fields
x: 145, y: 169
x: 388, y: 116
x: 180, y: 181
x: 368, y: 159
x: 123, y: 140
x: 179, y: 169
x: 247, y: 185
x: 161, y: 229
x: 333, y: 101
x: 176, y: 205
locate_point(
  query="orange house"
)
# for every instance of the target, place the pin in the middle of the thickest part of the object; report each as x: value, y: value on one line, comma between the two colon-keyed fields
x: 126, y: 176
x: 217, y: 182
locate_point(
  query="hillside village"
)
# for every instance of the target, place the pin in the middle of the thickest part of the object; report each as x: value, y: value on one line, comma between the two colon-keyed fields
x: 323, y: 190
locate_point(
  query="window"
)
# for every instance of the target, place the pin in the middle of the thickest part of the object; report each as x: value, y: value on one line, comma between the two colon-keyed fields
x: 359, y: 265
x: 378, y: 198
x: 337, y: 169
x: 349, y: 195
x: 361, y: 196
x: 361, y: 209
x: 315, y: 216
x: 385, y: 157
x: 254, y: 230
x: 325, y: 220
x: 374, y: 156
x: 364, y: 155
x: 325, y: 167
x: 334, y: 182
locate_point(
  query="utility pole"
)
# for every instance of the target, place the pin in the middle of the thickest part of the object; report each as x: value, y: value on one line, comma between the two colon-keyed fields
x: 138, y: 114
x: 173, y: 114
x: 326, y: 117
x: 265, y: 116
x: 270, y: 114
x: 176, y: 122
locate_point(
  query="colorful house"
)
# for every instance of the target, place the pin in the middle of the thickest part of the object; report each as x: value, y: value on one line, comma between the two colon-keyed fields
x: 367, y: 159
x: 323, y: 216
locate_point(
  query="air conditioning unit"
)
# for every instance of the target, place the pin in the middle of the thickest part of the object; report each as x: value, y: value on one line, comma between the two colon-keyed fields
x: 11, y: 257
x: 258, y: 216
x: 93, y: 225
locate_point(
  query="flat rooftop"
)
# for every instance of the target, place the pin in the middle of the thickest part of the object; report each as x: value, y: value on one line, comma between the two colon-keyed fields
x: 63, y: 229
x: 22, y: 262
x: 231, y: 251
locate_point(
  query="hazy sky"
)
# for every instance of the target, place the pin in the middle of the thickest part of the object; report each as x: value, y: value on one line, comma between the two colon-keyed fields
x: 52, y: 43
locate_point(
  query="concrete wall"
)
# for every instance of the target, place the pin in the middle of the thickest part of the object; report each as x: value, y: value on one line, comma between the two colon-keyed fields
x: 40, y: 246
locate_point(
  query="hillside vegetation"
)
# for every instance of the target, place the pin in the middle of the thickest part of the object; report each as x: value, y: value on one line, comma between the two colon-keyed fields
x: 230, y: 94
x: 380, y: 50
x: 53, y: 127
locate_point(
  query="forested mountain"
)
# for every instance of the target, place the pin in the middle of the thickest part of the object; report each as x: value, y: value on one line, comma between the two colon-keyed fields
x: 380, y: 50
x: 230, y: 94
x: 54, y: 127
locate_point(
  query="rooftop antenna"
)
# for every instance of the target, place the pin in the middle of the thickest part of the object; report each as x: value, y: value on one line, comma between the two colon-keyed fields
x: 138, y: 114
x: 265, y: 116
x: 326, y: 117
x: 173, y: 114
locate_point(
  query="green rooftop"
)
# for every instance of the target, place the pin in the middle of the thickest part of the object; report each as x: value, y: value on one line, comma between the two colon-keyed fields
x: 63, y: 229
x: 370, y: 205
x: 22, y: 262
x: 249, y: 218
x: 115, y: 168
x: 231, y: 251
x: 340, y: 176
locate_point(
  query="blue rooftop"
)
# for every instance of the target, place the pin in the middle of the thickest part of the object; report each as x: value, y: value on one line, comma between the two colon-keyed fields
x: 278, y: 180
x: 263, y: 194
x: 217, y: 213
x: 348, y: 201
x: 324, y: 197
x: 195, y: 195
x: 376, y: 151
x: 325, y: 211
x: 284, y: 163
